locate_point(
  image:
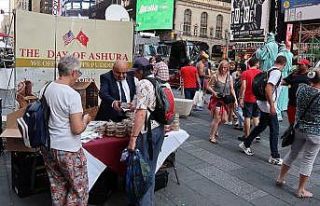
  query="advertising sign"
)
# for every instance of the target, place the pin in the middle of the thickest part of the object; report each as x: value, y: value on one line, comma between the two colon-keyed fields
x: 298, y: 3
x: 97, y: 43
x: 249, y: 19
x: 302, y: 13
x: 56, y: 7
x: 154, y: 14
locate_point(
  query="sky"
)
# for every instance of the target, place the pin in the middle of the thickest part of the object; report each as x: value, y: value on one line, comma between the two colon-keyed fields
x: 4, y: 4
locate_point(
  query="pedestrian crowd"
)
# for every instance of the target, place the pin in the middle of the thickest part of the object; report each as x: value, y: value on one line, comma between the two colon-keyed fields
x: 233, y: 101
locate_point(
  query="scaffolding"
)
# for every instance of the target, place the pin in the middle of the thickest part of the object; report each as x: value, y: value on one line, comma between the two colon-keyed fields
x: 309, y: 41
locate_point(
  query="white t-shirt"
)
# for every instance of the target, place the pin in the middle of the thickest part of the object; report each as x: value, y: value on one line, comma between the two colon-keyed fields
x: 274, y: 78
x: 63, y: 101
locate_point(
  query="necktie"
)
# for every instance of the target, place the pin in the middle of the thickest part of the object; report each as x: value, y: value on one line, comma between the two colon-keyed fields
x: 123, y: 95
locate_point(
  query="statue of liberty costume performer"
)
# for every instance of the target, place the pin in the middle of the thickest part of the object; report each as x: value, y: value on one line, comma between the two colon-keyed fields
x: 268, y: 53
x: 282, y: 100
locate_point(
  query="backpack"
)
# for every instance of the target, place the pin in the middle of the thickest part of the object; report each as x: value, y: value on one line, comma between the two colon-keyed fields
x: 164, y: 111
x: 259, y: 84
x: 33, y: 125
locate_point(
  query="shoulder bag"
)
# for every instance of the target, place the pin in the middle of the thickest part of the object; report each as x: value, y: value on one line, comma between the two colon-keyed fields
x: 227, y: 98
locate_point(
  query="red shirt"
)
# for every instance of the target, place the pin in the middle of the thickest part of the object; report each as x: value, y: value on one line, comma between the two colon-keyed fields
x: 249, y: 75
x: 189, y: 76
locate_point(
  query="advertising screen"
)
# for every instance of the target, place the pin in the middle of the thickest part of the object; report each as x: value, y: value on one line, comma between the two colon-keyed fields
x: 249, y: 19
x: 154, y: 14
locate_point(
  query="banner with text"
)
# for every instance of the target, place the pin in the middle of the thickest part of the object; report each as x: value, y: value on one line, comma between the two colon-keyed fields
x: 249, y: 20
x: 41, y: 39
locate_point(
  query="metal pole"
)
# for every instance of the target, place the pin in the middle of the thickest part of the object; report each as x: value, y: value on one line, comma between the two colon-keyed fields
x: 300, y: 35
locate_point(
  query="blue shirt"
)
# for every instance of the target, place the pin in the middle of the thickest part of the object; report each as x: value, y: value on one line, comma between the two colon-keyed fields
x: 310, y: 123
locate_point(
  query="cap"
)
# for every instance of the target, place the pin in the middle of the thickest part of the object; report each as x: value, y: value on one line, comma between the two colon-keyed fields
x: 204, y: 55
x: 139, y: 64
x: 304, y: 61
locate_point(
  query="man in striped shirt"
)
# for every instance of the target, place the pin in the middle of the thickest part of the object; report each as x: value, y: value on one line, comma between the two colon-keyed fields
x: 161, y: 70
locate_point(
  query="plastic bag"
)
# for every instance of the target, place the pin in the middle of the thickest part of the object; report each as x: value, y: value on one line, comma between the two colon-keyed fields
x: 198, y: 98
x: 138, y: 176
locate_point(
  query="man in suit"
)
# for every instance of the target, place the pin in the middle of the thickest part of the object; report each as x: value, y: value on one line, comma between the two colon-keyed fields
x: 116, y: 87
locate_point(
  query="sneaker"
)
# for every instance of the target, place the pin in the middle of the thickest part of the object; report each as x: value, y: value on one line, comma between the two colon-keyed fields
x: 241, y: 138
x: 275, y: 161
x: 228, y: 123
x: 246, y: 150
x: 197, y: 109
x: 258, y: 138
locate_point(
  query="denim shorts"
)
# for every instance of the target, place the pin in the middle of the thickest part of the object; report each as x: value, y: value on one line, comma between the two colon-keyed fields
x: 250, y: 110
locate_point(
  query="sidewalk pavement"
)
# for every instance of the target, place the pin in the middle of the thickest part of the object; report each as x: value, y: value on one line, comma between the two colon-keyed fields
x: 210, y: 175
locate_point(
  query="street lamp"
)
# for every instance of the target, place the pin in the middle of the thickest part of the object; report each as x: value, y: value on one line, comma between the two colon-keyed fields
x: 227, y: 38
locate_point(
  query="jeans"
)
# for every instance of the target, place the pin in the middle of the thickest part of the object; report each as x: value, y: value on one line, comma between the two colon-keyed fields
x: 266, y: 120
x: 189, y: 93
x: 239, y: 114
x: 142, y: 144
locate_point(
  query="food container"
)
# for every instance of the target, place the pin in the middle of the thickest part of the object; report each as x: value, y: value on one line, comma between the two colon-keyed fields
x: 175, y: 126
x: 120, y: 130
x: 110, y: 130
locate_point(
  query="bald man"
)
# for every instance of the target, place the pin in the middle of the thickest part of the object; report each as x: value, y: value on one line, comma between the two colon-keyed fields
x: 116, y: 87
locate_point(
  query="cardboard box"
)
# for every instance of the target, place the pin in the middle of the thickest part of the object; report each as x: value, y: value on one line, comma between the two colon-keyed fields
x: 12, y: 136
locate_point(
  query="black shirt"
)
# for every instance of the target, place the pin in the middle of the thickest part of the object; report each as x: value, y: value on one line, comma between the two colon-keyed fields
x: 293, y: 81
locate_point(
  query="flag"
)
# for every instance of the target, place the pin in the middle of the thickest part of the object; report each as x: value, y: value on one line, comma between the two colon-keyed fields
x: 82, y: 38
x: 68, y: 37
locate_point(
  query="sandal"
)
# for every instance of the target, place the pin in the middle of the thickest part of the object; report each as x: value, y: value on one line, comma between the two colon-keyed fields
x: 280, y: 183
x: 304, y: 194
x: 213, y: 140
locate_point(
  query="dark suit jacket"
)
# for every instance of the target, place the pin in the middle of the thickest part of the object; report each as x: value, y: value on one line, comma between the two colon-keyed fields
x: 109, y: 92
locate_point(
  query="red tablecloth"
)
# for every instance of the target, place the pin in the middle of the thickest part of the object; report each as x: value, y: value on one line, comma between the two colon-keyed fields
x: 108, y: 150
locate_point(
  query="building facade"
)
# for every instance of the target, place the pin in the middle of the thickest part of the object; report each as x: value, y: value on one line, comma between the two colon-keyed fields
x: 205, y: 21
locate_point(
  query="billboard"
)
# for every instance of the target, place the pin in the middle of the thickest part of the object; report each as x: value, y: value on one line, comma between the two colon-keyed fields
x: 249, y: 20
x: 154, y: 14
x: 302, y: 13
x: 298, y: 3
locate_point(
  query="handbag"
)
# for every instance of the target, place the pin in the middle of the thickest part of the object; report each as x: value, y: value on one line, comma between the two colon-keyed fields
x: 227, y: 98
x: 288, y: 135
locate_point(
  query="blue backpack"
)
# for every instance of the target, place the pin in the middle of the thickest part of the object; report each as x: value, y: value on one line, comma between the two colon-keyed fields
x: 33, y: 125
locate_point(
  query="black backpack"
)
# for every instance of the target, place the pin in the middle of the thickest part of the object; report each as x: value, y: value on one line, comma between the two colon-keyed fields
x: 33, y: 125
x: 259, y: 84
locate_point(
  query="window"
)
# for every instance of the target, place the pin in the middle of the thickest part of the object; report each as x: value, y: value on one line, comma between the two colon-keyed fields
x: 187, y: 22
x: 219, y: 26
x: 203, y: 24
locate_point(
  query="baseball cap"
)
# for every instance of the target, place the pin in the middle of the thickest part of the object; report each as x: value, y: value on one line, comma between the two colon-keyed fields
x: 139, y: 64
x: 304, y: 61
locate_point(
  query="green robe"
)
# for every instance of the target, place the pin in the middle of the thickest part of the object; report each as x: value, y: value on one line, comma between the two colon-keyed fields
x: 268, y: 53
x: 282, y: 101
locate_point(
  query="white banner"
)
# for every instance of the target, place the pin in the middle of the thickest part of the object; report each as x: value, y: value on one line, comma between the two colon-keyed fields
x: 302, y: 13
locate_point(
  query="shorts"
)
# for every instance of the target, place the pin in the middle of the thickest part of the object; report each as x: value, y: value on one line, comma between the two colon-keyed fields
x: 251, y: 110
